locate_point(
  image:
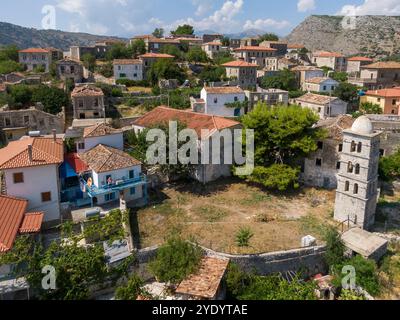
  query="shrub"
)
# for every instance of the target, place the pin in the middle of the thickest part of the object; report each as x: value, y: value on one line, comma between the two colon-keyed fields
x: 243, y: 237
x: 131, y: 290
x: 334, y: 247
x: 133, y: 83
x: 176, y: 260
x: 276, y: 177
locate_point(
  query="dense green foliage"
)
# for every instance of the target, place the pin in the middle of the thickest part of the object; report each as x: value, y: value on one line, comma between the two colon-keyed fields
x: 133, y: 83
x: 243, y: 237
x: 339, y: 76
x: 176, y: 260
x: 196, y: 54
x: 223, y: 57
x: 268, y: 37
x: 368, y: 108
x: 9, y: 60
x: 119, y: 51
x: 53, y: 99
x: 173, y: 51
x: 212, y: 74
x: 131, y: 290
x: 276, y: 177
x: 106, y: 69
x: 138, y: 47
x: 334, y: 247
x: 158, y: 32
x: 8, y: 66
x: 21, y: 95
x: 165, y: 69
x: 242, y: 286
x: 89, y: 61
x: 183, y: 30
x: 285, y: 80
x: 346, y: 91
x: 225, y: 41
x: 389, y: 167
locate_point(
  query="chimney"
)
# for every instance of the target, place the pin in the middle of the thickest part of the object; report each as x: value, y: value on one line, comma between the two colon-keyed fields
x: 54, y: 131
x: 30, y: 152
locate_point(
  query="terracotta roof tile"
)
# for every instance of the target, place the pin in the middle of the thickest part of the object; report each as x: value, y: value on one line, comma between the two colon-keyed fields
x: 360, y: 59
x: 255, y: 48
x: 192, y: 120
x: 34, y: 50
x: 156, y: 55
x: 306, y: 68
x: 316, y: 98
x: 335, y: 126
x: 11, y: 216
x: 205, y: 283
x: 87, y: 90
x: 239, y: 64
x: 32, y: 222
x: 45, y: 151
x: 327, y: 54
x: 224, y: 90
x: 388, y: 93
x: 318, y: 80
x: 99, y: 130
x: 127, y: 61
x: 383, y: 65
x: 104, y: 159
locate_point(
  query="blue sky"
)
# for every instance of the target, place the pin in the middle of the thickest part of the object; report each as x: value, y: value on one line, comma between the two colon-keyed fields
x: 130, y: 17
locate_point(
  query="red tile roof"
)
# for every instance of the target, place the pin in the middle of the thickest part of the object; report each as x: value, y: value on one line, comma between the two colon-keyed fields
x: 87, y: 90
x: 387, y: 93
x: 126, y: 61
x: 255, y: 48
x: 327, y: 54
x: 99, y: 130
x: 224, y: 90
x: 34, y: 50
x: 383, y: 65
x: 156, y: 55
x: 45, y: 151
x: 32, y: 222
x: 192, y: 120
x: 239, y: 64
x: 360, y: 59
x: 76, y: 163
x: 11, y: 216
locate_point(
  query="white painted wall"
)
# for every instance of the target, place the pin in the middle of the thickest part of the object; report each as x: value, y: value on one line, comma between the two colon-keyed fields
x: 218, y: 108
x: 37, y: 180
x: 337, y: 108
x: 327, y: 86
x: 112, y: 140
x: 132, y: 71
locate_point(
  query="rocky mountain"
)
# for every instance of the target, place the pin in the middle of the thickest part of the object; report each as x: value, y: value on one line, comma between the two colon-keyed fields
x: 375, y: 36
x: 30, y: 37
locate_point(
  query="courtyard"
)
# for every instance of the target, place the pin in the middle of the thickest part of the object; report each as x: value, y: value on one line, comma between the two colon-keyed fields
x: 213, y: 214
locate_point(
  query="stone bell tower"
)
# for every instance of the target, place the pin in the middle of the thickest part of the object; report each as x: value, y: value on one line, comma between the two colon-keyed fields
x: 357, y: 191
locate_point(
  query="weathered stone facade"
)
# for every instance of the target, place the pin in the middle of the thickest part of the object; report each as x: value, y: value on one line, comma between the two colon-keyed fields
x: 70, y: 70
x: 357, y: 191
x: 17, y: 123
x: 88, y: 102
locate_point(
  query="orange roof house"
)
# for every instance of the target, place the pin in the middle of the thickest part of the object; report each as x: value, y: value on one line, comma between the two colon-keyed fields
x: 34, y: 50
x: 156, y: 56
x: 362, y: 59
x: 255, y: 48
x: 14, y: 220
x: 387, y: 99
x: 240, y: 64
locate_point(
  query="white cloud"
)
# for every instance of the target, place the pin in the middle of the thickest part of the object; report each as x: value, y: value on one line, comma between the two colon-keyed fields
x: 373, y: 7
x: 266, y: 24
x: 203, y: 7
x: 305, y: 5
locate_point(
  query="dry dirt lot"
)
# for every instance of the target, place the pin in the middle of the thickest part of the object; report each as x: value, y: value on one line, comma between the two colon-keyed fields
x: 213, y: 214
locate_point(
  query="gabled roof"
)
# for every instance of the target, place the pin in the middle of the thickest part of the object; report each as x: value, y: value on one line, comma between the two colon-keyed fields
x: 32, y: 222
x: 319, y: 80
x: 224, y: 90
x: 157, y: 55
x: 76, y: 163
x: 255, y: 48
x: 87, y: 90
x: 127, y: 61
x: 316, y: 98
x: 306, y: 68
x: 335, y: 126
x: 327, y: 54
x: 206, y: 281
x: 239, y: 64
x: 45, y: 151
x: 192, y: 120
x: 99, y: 130
x: 34, y: 50
x: 103, y: 158
x: 383, y: 65
x: 387, y: 93
x: 11, y: 215
x: 360, y: 59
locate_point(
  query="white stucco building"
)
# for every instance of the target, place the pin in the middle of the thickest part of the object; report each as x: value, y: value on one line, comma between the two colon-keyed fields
x: 100, y: 134
x: 131, y: 69
x: 320, y: 84
x: 31, y: 172
x: 213, y: 48
x: 324, y: 106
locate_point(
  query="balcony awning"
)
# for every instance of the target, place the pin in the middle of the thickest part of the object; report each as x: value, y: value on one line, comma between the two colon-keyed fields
x: 67, y: 171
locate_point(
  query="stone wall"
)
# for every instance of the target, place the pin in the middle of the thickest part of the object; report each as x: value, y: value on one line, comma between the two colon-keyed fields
x: 309, y: 260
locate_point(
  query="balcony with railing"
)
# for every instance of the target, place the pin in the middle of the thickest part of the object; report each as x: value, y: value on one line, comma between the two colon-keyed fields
x: 117, y: 185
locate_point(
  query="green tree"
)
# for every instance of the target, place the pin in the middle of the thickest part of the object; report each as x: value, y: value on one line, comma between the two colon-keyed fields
x: 339, y: 76
x: 370, y: 108
x: 212, y: 73
x: 196, y: 54
x: 285, y: 80
x: 276, y: 177
x: 183, y: 30
x: 21, y: 94
x: 173, y: 51
x: 165, y: 69
x: 119, y: 51
x: 89, y: 61
x: 268, y: 37
x: 138, y: 47
x: 106, y: 69
x: 346, y: 91
x: 53, y: 99
x: 8, y: 66
x: 223, y: 57
x: 334, y: 247
x: 158, y: 32
x: 9, y: 53
x: 131, y: 290
x: 389, y: 167
x: 176, y: 260
x: 226, y: 42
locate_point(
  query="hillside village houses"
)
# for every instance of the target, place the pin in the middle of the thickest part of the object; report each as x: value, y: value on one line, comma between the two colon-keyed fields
x: 204, y: 173
x: 33, y: 58
x: 388, y: 99
x: 281, y: 47
x: 154, y: 44
x: 270, y: 97
x: 244, y: 72
x: 303, y: 73
x: 255, y: 54
x: 336, y: 61
x: 131, y: 69
x: 320, y: 85
x: 68, y: 69
x: 150, y: 58
x: 88, y: 102
x: 354, y: 65
x: 324, y: 106
x: 215, y: 101
x: 213, y: 48
x: 30, y: 169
